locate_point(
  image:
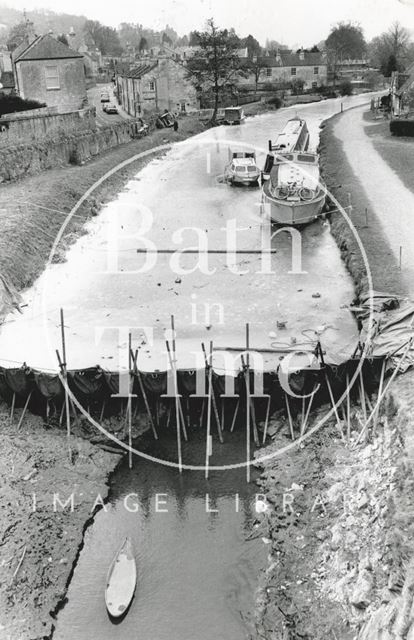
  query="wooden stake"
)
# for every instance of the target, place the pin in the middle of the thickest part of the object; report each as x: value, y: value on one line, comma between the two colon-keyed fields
x: 24, y: 410
x: 305, y: 421
x: 177, y: 410
x: 266, y: 420
x: 292, y: 433
x: 362, y: 396
x: 12, y: 408
x: 247, y: 379
x: 129, y: 410
x: 348, y: 409
x: 236, y: 411
x: 338, y: 421
x: 63, y: 368
x: 210, y: 377
x: 209, y: 366
x: 377, y: 406
x: 137, y: 372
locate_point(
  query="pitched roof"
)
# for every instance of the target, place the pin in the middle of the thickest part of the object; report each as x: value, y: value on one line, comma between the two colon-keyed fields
x: 289, y: 59
x: 46, y: 48
x: 140, y: 70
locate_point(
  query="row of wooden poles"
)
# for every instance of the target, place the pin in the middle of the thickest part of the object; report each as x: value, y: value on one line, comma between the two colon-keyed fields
x: 369, y: 412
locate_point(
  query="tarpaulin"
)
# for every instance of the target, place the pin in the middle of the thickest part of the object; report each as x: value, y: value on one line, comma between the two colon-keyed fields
x: 50, y: 386
x: 155, y: 383
x: 88, y: 382
x: 19, y: 380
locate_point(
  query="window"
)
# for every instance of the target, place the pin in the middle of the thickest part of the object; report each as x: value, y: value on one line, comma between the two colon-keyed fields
x: 314, y: 85
x: 268, y: 72
x: 293, y: 71
x: 151, y: 85
x: 52, y: 77
x: 316, y: 71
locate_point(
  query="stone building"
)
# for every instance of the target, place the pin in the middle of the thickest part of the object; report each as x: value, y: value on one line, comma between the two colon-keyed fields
x: 155, y: 87
x: 286, y: 68
x: 48, y: 71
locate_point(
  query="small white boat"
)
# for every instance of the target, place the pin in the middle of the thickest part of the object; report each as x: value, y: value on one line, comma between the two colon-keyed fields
x: 121, y: 581
x: 294, y: 137
x: 233, y: 115
x: 294, y: 194
x: 242, y: 168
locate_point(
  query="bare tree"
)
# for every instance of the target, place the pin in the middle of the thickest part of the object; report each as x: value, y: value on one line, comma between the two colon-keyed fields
x: 217, y: 64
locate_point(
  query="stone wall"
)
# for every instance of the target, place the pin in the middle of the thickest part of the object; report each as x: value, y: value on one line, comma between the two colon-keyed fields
x: 21, y: 160
x: 27, y: 127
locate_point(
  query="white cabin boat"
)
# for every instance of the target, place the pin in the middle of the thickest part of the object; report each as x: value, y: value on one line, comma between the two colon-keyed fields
x: 294, y: 194
x: 242, y: 168
x: 294, y: 137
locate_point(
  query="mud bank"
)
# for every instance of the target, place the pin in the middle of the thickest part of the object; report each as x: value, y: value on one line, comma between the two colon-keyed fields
x: 34, y: 465
x: 341, y: 558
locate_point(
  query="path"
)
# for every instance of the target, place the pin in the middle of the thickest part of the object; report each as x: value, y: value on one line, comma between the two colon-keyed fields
x: 390, y: 199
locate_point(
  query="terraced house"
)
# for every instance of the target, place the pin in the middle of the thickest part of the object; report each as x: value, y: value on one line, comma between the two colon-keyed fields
x: 286, y: 68
x: 157, y: 86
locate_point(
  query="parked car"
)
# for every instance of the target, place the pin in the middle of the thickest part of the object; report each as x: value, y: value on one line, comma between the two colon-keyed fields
x: 110, y: 108
x: 105, y: 96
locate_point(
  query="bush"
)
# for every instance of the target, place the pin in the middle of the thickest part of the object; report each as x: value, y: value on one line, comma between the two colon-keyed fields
x: 345, y: 88
x: 402, y: 127
x: 10, y: 104
x: 276, y: 102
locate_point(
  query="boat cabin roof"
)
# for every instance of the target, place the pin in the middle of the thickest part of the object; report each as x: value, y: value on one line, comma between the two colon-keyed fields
x: 244, y: 162
x: 299, y: 157
x: 241, y: 153
x: 289, y: 136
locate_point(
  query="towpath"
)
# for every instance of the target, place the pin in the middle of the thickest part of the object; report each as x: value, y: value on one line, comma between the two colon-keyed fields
x: 385, y: 184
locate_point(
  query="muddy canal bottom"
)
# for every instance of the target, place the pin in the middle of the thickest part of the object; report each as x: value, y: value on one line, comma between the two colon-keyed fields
x: 197, y: 574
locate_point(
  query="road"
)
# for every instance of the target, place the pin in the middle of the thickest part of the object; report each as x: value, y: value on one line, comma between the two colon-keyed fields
x: 103, y: 119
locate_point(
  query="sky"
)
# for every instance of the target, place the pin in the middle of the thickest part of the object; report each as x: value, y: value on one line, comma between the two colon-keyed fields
x: 291, y: 22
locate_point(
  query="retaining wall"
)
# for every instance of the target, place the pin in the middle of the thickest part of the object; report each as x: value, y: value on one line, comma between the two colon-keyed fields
x: 27, y: 127
x: 20, y: 160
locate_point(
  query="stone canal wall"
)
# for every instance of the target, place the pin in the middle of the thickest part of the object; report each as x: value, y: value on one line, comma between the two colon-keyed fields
x: 19, y: 160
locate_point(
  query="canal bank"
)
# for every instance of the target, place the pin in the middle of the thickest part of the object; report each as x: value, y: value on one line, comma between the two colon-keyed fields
x: 49, y: 596
x: 341, y: 564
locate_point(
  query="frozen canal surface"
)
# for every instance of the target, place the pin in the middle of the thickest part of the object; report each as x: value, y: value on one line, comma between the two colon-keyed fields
x: 101, y: 288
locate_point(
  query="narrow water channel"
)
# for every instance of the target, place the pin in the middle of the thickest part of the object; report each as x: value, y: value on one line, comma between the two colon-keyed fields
x: 197, y: 574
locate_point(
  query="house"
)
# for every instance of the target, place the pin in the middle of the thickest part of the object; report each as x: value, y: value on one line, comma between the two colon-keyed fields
x: 285, y: 69
x: 50, y: 72
x: 156, y: 86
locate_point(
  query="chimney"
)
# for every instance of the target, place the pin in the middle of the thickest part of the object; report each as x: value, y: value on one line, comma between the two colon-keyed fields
x: 278, y: 57
x: 72, y: 33
x: 301, y: 54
